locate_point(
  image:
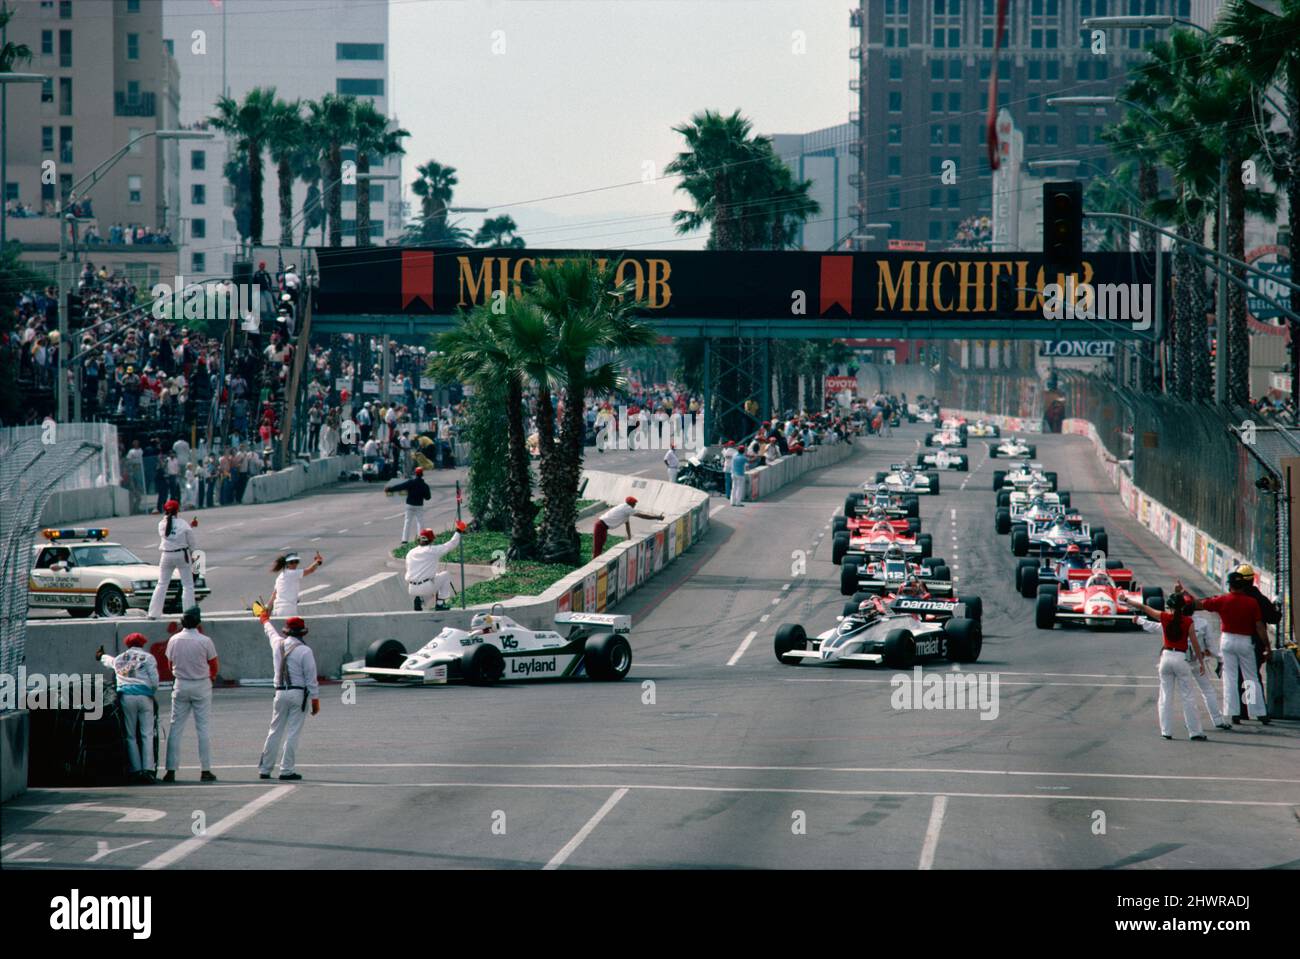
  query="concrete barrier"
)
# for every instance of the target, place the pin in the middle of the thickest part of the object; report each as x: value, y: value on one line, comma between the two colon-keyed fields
x: 14, y: 738
x: 67, y: 507
x: 292, y: 480
x: 766, y: 480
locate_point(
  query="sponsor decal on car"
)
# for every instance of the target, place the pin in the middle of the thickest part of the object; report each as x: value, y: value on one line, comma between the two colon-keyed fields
x: 533, y: 666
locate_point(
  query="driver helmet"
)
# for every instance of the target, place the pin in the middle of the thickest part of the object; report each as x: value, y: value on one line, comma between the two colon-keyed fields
x: 877, y: 512
x: 913, y: 587
x: 894, y: 552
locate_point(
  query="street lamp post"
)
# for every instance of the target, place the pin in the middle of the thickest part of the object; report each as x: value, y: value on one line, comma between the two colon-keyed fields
x: 88, y: 182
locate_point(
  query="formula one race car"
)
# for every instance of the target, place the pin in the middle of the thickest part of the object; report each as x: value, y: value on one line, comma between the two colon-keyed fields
x: 1094, y: 602
x: 902, y: 478
x: 1014, y: 446
x: 877, y: 633
x: 1021, y: 476
x: 946, y: 437
x: 78, y: 571
x: 863, y: 520
x: 889, y: 572
x: 1037, y: 505
x: 915, y: 597
x: 943, y: 460
x: 923, y: 412
x: 1054, y: 536
x: 895, y: 505
x: 855, y: 547
x: 1073, y: 566
x: 496, y: 647
x: 982, y: 429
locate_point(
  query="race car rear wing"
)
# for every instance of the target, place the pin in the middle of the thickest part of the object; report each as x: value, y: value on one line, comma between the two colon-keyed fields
x: 901, y: 605
x: 1120, y: 576
x: 617, y: 622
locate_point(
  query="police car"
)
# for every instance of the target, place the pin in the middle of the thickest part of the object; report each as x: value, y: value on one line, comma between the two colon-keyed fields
x: 893, y: 634
x: 495, y: 647
x: 80, y: 571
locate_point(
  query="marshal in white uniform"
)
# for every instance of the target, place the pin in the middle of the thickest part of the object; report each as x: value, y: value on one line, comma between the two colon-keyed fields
x: 296, y: 689
x: 424, y: 576
x: 176, y: 553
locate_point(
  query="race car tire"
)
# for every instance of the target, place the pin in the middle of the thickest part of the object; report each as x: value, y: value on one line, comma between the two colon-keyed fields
x: 385, y: 654
x: 839, y: 524
x: 926, y: 542
x: 852, y: 503
x: 861, y: 596
x: 839, y: 546
x: 934, y: 483
x: 900, y: 649
x: 1002, y: 521
x: 914, y: 525
x: 1115, y: 564
x: 1019, y: 542
x: 965, y: 640
x: 848, y: 579
x: 110, y: 601
x: 963, y: 439
x: 941, y: 573
x: 1065, y: 499
x: 80, y: 612
x: 930, y: 562
x: 1021, y: 566
x: 974, y: 607
x: 1045, y: 607
x: 1100, y: 541
x: 997, y: 432
x: 928, y: 437
x: 607, y: 657
x: 911, y: 418
x: 920, y: 459
x: 913, y: 505
x: 963, y: 464
x: 1051, y: 479
x: 484, y: 665
x: 1004, y: 498
x: 880, y: 477
x: 1033, y: 452
x: 998, y: 477
x: 789, y: 637
x: 993, y: 452
x: 1028, y: 580
x: 1153, y: 596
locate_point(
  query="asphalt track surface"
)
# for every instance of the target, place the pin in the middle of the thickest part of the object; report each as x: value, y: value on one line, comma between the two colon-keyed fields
x: 712, y: 754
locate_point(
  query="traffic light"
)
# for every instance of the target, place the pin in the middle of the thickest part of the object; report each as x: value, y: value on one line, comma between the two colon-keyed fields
x: 1063, y: 225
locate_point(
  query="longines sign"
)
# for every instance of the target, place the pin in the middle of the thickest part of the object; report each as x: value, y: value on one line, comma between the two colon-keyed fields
x: 1077, y: 348
x: 699, y: 283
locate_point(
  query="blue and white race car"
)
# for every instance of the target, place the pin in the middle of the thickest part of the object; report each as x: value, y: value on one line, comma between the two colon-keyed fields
x: 877, y: 633
x: 1014, y: 447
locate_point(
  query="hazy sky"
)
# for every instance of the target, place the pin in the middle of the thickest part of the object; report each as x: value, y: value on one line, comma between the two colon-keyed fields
x: 539, y: 100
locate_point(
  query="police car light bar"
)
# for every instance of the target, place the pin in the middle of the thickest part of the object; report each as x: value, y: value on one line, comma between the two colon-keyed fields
x: 77, y: 533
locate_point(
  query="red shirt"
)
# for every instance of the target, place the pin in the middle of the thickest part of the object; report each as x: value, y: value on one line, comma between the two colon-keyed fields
x: 1238, y: 611
x: 1179, y: 642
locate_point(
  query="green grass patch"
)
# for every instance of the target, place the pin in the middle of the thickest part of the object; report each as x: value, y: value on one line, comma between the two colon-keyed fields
x: 481, y: 544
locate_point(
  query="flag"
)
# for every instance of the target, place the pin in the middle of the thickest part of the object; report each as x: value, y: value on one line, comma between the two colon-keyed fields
x: 992, y: 137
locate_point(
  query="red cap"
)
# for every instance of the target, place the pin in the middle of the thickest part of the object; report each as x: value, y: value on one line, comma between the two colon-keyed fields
x: 135, y: 639
x: 171, y: 506
x: 631, y: 501
x: 426, y: 534
x: 729, y: 443
x: 419, y: 471
x: 295, y: 624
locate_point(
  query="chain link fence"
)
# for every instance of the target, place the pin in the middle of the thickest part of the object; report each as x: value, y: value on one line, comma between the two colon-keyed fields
x: 30, y: 470
x: 997, y: 393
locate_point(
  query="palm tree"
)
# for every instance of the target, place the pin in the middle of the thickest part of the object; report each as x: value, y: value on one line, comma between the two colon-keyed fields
x: 1267, y: 51
x: 247, y: 122
x: 374, y: 138
x: 498, y: 232
x: 285, y: 132
x: 11, y: 53
x: 334, y: 119
x: 584, y: 310
x: 434, y: 188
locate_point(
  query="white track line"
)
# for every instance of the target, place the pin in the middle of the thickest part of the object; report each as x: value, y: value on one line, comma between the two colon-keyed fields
x: 242, y: 814
x: 735, y: 657
x: 932, y: 832
x: 1003, y: 682
x: 314, y: 589
x: 571, y: 846
x: 357, y: 587
x: 717, y: 509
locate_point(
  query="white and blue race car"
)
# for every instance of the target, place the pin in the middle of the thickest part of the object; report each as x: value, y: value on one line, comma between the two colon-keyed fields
x: 880, y: 633
x: 1014, y: 447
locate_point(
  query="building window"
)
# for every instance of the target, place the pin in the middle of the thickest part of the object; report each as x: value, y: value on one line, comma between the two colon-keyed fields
x: 47, y: 139
x: 936, y: 70
x: 1035, y: 103
x: 1004, y: 69
x: 936, y: 134
x: 986, y: 67
x: 1102, y: 71
x: 936, y: 231
x: 47, y: 90
x: 359, y: 51
x: 198, y: 160
x: 895, y: 101
x: 1031, y: 136
x: 954, y: 103
x: 1004, y: 98
x: 1081, y: 135
x: 133, y: 46
x: 47, y: 43
x: 11, y: 191
x: 198, y: 194
x: 198, y: 229
x: 895, y: 68
x: 936, y: 166
x: 1035, y: 69
x: 954, y: 69
x: 65, y: 9
x: 895, y: 133
x: 1053, y: 69
x: 47, y: 193
x: 65, y: 144
x: 65, y: 96
x: 65, y: 48
x: 954, y: 134
x: 134, y: 188
x: 1084, y: 71
x: 894, y: 166
x: 936, y: 103
x: 936, y: 199
x: 199, y: 262
x: 171, y: 47
x: 132, y: 6
x: 1049, y: 135
x: 133, y: 138
x: 359, y: 87
x: 954, y: 199
x: 895, y: 198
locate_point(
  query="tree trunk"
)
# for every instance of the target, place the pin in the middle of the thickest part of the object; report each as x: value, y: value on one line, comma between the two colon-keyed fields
x: 285, y: 175
x: 256, y: 205
x: 519, y: 478
x: 551, y: 466
x: 1293, y: 215
x: 363, y: 199
x: 559, y: 537
x: 1200, y: 376
x: 1148, y: 188
x: 1238, y: 332
x: 334, y: 194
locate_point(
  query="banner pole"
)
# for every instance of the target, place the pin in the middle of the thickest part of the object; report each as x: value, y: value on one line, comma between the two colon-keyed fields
x: 462, y: 550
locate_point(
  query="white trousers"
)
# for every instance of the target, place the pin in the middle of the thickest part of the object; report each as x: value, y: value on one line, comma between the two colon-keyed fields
x: 1238, y: 655
x: 602, y: 439
x: 170, y: 561
x: 190, y: 696
x: 672, y: 474
x: 1175, y: 671
x: 737, y: 490
x: 1205, y: 683
x: 439, y: 586
x: 287, y: 717
x: 137, y: 718
x: 413, y: 523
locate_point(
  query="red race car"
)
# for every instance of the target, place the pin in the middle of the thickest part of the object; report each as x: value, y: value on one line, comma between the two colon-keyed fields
x: 1091, y: 599
x: 914, y: 597
x: 857, y: 524
x: 875, y: 539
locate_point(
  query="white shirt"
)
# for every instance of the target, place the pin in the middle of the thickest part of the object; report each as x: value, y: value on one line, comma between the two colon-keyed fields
x: 616, y: 517
x: 728, y: 455
x: 134, y: 667
x: 287, y: 585
x: 189, y: 652
x: 670, y: 458
x: 422, y: 562
x: 183, y: 535
x: 301, y: 665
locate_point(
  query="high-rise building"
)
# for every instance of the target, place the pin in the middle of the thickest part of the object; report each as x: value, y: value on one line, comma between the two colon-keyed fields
x: 304, y: 52
x: 827, y: 158
x: 923, y: 87
x: 108, y: 80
